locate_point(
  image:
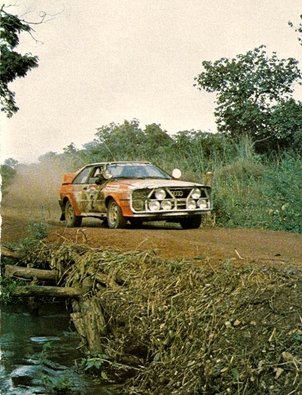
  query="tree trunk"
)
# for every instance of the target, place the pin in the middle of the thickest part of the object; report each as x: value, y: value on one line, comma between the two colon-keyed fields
x: 90, y: 323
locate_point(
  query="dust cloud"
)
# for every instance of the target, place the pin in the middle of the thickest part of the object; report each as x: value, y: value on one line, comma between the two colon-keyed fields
x: 34, y: 192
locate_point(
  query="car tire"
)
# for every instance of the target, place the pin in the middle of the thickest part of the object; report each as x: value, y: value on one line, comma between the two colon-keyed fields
x: 193, y: 222
x: 71, y: 219
x: 115, y: 217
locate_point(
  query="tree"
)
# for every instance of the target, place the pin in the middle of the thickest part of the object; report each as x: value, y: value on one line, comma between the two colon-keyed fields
x: 286, y: 120
x: 155, y: 139
x: 119, y: 141
x: 13, y: 64
x: 11, y: 162
x: 8, y: 172
x: 298, y: 29
x: 249, y: 89
x: 48, y: 156
x: 70, y: 149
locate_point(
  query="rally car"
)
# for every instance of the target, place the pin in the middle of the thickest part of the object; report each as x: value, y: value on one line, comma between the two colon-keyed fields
x: 132, y: 191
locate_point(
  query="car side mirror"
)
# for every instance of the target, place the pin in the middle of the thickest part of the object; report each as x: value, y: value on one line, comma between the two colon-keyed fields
x: 176, y: 173
x: 107, y: 175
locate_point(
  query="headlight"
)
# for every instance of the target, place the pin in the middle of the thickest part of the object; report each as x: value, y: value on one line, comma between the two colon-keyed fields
x: 191, y: 205
x: 138, y: 204
x: 196, y: 193
x: 154, y: 205
x: 160, y: 194
x: 202, y: 203
x: 166, y: 205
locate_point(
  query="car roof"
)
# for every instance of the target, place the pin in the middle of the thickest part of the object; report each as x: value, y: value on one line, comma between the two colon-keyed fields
x: 117, y: 162
x: 112, y: 163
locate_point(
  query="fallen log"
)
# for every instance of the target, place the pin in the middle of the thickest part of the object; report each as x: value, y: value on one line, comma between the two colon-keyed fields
x: 7, y: 253
x: 28, y: 272
x: 39, y: 290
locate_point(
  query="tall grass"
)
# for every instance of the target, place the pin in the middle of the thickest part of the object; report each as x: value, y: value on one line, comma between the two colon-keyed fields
x: 253, y: 192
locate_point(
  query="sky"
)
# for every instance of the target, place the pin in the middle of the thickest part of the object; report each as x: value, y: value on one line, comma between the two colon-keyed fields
x: 103, y: 61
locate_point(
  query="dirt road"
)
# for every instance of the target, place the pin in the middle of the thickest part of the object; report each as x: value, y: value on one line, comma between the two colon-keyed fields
x: 28, y: 200
x: 216, y: 244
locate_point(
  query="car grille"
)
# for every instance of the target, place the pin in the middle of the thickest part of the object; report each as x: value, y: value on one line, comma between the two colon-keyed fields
x: 176, y: 200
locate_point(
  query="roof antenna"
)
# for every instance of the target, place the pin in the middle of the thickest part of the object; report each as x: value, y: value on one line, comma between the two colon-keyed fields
x: 106, y: 146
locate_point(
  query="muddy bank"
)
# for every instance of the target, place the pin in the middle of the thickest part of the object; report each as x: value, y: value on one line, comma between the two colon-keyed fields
x: 183, y: 326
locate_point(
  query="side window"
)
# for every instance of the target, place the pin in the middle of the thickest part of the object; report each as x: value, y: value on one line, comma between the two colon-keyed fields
x: 94, y: 176
x: 83, y: 176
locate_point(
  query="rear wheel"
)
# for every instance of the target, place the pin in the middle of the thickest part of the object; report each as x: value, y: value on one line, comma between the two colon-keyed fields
x: 71, y: 219
x: 193, y: 222
x: 114, y: 216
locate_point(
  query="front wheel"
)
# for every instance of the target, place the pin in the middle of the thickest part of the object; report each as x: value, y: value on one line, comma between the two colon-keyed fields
x: 114, y: 216
x: 193, y: 222
x: 71, y: 219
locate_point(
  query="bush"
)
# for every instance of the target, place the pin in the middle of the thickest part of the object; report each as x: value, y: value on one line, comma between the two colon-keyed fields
x: 251, y: 194
x: 282, y: 192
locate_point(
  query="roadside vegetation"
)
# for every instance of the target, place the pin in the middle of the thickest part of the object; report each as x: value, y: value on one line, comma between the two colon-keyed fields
x: 250, y: 189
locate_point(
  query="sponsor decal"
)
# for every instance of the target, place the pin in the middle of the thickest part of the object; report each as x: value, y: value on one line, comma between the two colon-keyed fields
x: 112, y: 188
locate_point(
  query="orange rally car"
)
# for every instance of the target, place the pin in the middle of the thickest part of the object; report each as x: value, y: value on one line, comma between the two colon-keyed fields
x: 118, y: 192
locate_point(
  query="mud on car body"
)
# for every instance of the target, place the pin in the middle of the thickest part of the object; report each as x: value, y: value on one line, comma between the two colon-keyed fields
x: 132, y: 191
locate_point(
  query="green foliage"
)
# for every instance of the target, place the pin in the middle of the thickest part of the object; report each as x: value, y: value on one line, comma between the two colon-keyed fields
x: 253, y: 90
x: 7, y: 287
x: 93, y: 361
x: 249, y: 193
x: 13, y: 64
x: 11, y: 162
x: 298, y: 29
x: 286, y: 124
x: 59, y: 385
x: 36, y: 232
x: 7, y: 175
x: 282, y: 195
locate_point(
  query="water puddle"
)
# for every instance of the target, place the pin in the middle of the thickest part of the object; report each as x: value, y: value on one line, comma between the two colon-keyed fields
x: 38, y: 353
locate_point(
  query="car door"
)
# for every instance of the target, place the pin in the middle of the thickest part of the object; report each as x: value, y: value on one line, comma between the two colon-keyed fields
x: 80, y: 188
x: 88, y: 191
x: 92, y: 196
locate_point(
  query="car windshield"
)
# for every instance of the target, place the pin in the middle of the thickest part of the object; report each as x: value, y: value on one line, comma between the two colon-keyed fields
x: 136, y: 171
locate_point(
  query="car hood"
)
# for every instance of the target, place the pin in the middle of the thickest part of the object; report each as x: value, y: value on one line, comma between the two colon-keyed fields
x: 156, y: 183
